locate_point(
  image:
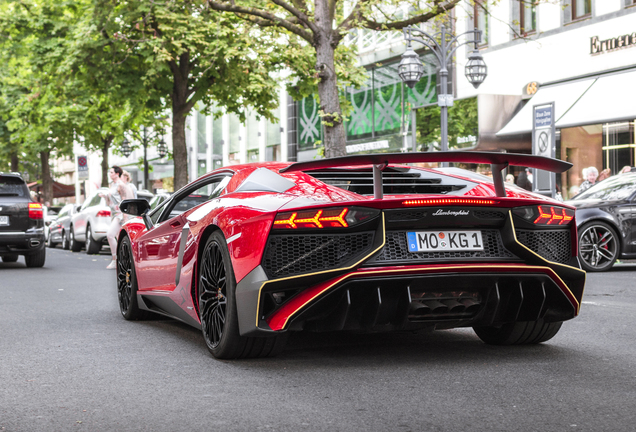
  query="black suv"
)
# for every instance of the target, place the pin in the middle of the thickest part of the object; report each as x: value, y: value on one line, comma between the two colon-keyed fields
x: 21, y: 222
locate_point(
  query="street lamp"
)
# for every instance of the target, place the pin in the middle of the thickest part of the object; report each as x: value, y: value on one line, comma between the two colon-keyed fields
x: 125, y: 147
x: 162, y: 148
x: 411, y: 68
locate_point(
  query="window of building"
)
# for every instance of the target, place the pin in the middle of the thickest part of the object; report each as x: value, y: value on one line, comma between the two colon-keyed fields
x: 527, y: 17
x: 480, y: 21
x: 201, y: 129
x: 581, y: 9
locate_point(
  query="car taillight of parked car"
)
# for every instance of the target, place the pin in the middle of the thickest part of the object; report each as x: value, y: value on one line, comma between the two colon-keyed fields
x: 103, y: 213
x: 545, y: 215
x: 36, y: 211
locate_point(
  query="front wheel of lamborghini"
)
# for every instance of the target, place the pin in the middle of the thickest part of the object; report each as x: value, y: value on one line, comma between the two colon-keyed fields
x: 218, y: 309
x: 127, y: 283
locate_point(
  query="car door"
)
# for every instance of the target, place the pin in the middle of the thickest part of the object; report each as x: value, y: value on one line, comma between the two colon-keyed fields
x: 79, y: 223
x: 159, y: 247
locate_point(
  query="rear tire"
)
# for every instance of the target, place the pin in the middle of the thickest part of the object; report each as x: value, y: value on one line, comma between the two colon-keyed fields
x: 519, y: 333
x: 10, y: 258
x: 127, y: 283
x: 65, y: 240
x: 92, y: 247
x: 218, y: 313
x: 74, y: 245
x: 37, y: 259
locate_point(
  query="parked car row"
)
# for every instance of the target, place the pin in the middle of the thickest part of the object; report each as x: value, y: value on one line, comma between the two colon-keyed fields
x: 86, y: 225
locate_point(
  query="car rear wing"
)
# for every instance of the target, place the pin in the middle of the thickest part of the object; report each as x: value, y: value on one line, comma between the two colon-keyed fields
x: 379, y: 161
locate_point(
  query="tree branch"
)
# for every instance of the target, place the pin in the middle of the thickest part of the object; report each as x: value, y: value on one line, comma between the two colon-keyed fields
x: 262, y: 15
x: 398, y: 25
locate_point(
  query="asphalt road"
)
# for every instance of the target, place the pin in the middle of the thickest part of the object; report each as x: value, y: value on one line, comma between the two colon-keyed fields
x: 70, y: 362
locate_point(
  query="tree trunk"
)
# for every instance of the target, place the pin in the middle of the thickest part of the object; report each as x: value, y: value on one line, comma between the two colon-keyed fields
x: 15, y: 166
x: 179, y: 149
x: 180, y: 109
x: 47, y: 181
x: 106, y: 142
x: 334, y: 138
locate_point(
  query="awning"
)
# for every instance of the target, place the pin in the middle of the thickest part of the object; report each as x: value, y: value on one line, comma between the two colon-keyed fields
x: 59, y: 190
x: 564, y: 97
x: 611, y: 98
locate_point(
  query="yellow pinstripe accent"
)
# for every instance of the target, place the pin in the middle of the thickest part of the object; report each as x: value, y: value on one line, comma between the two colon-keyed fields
x: 433, y: 269
x: 578, y: 305
x: 260, y: 290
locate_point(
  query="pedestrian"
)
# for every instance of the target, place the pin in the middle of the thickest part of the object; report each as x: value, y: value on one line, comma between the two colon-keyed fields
x: 530, y: 176
x: 117, y: 192
x: 626, y: 169
x: 591, y: 174
x: 126, y: 178
x: 604, y: 174
x: 523, y: 182
x: 510, y: 179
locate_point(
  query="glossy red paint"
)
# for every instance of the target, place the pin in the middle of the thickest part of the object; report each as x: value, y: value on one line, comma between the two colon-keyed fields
x: 278, y: 320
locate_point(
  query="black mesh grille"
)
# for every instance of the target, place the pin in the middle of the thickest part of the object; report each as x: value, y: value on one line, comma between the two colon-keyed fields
x: 396, y: 249
x: 287, y: 255
x: 405, y: 215
x: 553, y: 245
x: 486, y: 214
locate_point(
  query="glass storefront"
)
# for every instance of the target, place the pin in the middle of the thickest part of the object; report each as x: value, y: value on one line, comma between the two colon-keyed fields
x: 609, y: 145
x: 380, y: 109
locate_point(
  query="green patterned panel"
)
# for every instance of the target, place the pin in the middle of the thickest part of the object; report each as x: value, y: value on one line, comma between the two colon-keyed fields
x: 387, y: 97
x: 309, y: 125
x: 360, y: 124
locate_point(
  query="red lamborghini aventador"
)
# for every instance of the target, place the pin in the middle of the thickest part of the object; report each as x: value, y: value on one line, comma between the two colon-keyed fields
x: 249, y: 253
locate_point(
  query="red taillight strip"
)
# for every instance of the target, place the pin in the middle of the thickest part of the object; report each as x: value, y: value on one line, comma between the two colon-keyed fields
x: 553, y: 217
x: 280, y: 318
x: 449, y: 201
x: 313, y: 220
x: 340, y: 218
x: 316, y: 219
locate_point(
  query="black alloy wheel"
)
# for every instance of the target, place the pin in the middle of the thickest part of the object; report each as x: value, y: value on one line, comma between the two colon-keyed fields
x: 217, y: 307
x: 127, y: 283
x: 598, y: 246
x: 74, y: 245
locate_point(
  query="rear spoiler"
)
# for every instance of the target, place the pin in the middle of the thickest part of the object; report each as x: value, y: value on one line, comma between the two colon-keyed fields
x: 498, y: 161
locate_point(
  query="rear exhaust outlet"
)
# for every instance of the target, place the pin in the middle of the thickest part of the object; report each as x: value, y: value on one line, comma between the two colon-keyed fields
x: 35, y: 243
x: 471, y: 305
x: 454, y: 307
x: 437, y: 307
x: 417, y: 308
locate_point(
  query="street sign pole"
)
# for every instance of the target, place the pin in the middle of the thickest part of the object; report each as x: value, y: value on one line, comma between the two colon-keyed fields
x: 544, y: 144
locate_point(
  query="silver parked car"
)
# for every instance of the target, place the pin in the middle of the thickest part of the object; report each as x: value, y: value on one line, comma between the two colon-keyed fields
x: 59, y: 229
x: 90, y: 224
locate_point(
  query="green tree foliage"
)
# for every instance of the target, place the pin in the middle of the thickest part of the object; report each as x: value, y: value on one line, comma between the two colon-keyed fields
x: 193, y: 54
x: 462, y: 122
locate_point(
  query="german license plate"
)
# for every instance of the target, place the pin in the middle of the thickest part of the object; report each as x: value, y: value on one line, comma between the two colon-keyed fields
x: 432, y: 241
x: 4, y: 220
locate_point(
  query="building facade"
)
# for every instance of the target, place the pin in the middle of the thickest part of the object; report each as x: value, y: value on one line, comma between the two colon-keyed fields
x: 578, y: 54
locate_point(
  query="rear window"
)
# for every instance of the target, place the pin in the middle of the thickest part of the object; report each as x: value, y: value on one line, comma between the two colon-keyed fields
x: 12, y: 186
x: 617, y: 187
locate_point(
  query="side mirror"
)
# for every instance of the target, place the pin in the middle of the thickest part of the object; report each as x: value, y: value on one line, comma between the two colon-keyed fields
x: 134, y: 207
x: 78, y: 208
x: 137, y: 207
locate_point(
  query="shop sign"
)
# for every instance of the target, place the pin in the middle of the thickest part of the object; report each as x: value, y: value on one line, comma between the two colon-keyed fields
x: 598, y: 46
x: 376, y: 145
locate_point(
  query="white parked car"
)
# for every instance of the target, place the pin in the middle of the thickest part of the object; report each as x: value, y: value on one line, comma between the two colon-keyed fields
x: 90, y: 224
